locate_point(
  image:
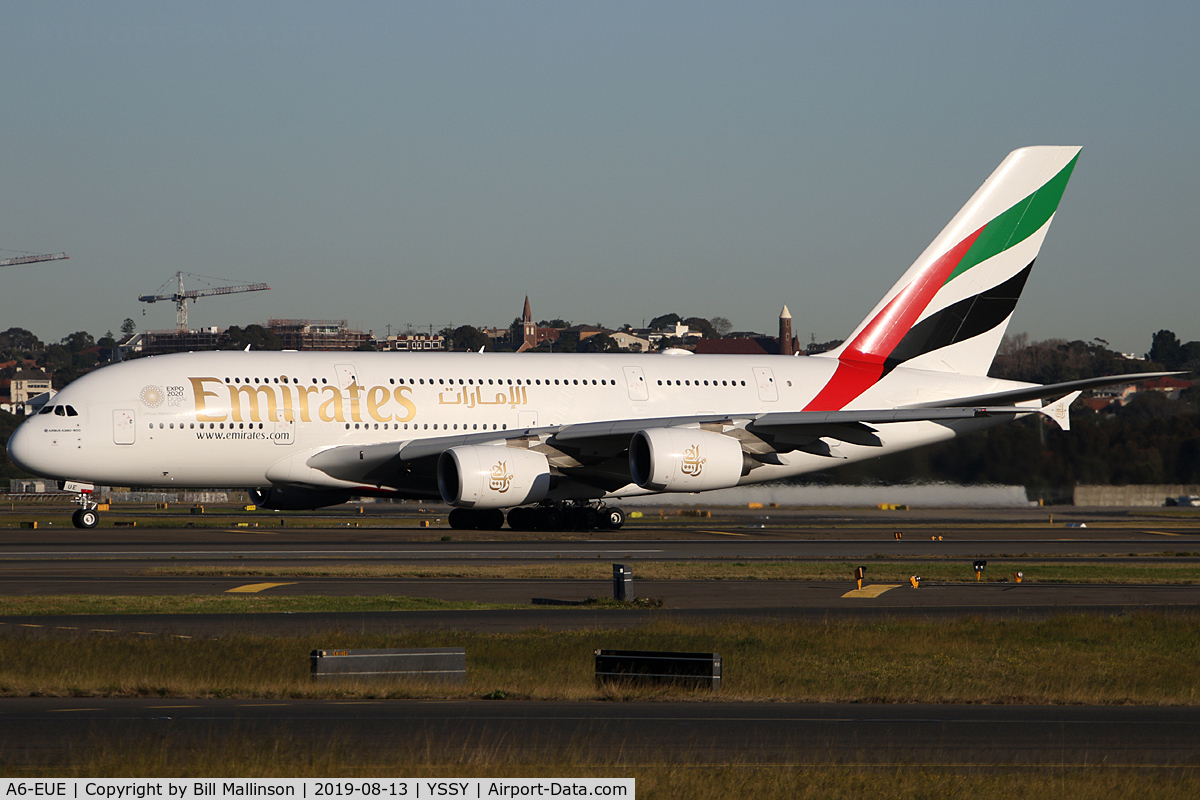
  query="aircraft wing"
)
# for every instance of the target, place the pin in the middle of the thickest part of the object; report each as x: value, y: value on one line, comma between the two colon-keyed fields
x: 1048, y: 390
x: 390, y: 463
x: 405, y: 462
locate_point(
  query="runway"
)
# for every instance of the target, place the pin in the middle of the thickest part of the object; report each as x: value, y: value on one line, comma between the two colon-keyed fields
x: 120, y: 561
x: 111, y: 561
x: 627, y: 733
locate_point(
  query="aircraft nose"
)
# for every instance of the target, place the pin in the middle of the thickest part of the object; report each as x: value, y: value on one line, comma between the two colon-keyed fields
x: 22, y: 450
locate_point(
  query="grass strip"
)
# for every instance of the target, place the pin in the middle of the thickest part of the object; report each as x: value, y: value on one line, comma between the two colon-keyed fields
x: 1135, y: 659
x: 49, y: 605
x: 877, y: 570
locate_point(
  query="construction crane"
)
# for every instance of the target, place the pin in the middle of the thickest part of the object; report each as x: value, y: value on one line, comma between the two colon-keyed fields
x: 31, y: 259
x: 180, y: 297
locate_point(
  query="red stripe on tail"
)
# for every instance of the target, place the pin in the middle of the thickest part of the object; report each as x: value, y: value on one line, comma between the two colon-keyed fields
x: 861, y: 362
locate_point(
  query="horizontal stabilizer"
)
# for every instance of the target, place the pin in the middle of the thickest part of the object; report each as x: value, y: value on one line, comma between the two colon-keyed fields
x: 1059, y: 411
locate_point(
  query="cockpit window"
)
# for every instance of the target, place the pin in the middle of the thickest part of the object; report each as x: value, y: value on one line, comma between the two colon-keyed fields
x: 71, y: 412
x: 60, y: 411
x: 47, y: 410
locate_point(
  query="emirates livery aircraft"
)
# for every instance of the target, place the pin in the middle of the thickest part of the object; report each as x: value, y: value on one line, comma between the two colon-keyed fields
x: 552, y: 438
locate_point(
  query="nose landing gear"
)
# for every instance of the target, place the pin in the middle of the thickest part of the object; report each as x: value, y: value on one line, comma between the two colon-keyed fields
x: 87, y: 515
x: 85, y: 518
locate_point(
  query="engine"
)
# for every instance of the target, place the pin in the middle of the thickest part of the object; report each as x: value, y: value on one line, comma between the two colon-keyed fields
x: 492, y: 476
x: 290, y: 499
x: 685, y: 460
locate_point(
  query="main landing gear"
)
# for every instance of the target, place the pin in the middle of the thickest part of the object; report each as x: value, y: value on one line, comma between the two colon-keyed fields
x: 566, y: 517
x: 545, y: 517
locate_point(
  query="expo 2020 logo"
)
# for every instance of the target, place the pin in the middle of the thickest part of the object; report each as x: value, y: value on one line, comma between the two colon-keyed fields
x: 152, y: 396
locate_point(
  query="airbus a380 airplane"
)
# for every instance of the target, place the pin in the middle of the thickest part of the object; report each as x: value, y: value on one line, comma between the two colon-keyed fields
x: 553, y: 437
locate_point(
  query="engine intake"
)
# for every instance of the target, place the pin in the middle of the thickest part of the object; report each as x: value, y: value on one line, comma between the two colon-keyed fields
x: 492, y: 476
x: 685, y: 460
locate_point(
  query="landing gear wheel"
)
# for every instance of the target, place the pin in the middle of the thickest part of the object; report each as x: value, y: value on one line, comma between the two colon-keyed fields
x: 549, y: 518
x: 581, y: 518
x: 491, y: 519
x: 612, y: 518
x: 85, y: 518
x: 460, y: 519
x: 521, y: 519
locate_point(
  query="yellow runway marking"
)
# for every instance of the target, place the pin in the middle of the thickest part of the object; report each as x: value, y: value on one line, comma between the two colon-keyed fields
x: 27, y: 625
x: 252, y: 530
x: 103, y: 630
x: 1163, y: 533
x: 256, y: 587
x: 726, y: 533
x: 871, y: 591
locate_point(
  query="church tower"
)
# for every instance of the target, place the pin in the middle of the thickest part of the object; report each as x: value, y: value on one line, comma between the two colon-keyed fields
x: 530, y: 329
x: 787, y: 345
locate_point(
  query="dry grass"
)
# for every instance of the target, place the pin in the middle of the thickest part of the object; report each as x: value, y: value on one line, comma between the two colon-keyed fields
x: 1143, y: 658
x: 51, y: 605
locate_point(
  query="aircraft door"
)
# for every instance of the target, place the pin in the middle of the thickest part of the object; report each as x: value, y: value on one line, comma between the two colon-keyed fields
x: 345, y: 375
x: 285, y: 431
x: 635, y: 382
x: 768, y: 391
x: 124, y: 426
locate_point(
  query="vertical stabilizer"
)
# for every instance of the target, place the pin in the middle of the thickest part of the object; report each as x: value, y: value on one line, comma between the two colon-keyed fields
x: 949, y: 311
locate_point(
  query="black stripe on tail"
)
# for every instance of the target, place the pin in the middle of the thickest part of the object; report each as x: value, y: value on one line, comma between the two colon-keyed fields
x: 969, y: 317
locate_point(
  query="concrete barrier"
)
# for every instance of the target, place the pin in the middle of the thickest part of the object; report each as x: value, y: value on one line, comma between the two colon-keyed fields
x: 1139, y: 495
x: 702, y: 670
x: 429, y: 663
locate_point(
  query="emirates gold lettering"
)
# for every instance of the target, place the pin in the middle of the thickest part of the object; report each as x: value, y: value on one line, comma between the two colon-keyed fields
x: 501, y: 478
x: 202, y: 408
x: 402, y: 399
x: 331, y: 409
x: 267, y: 403
x: 376, y: 397
x: 354, y: 391
x: 252, y: 393
x: 693, y: 464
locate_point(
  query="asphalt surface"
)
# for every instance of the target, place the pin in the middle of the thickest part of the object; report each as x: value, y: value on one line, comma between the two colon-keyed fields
x: 114, y: 561
x: 630, y: 733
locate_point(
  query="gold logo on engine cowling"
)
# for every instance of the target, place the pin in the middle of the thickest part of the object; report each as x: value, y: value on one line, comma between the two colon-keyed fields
x: 501, y: 477
x: 693, y: 464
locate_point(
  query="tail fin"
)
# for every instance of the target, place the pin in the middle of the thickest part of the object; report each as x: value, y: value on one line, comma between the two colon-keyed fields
x: 949, y: 311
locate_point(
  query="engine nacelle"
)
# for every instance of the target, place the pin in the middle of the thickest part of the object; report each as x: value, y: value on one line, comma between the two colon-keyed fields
x: 684, y: 460
x: 492, y: 476
x: 292, y: 499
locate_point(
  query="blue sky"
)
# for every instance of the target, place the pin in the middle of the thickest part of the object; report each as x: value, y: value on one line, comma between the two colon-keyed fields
x: 433, y: 163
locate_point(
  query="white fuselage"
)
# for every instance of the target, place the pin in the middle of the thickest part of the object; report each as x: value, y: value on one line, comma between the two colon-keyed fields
x: 230, y: 419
